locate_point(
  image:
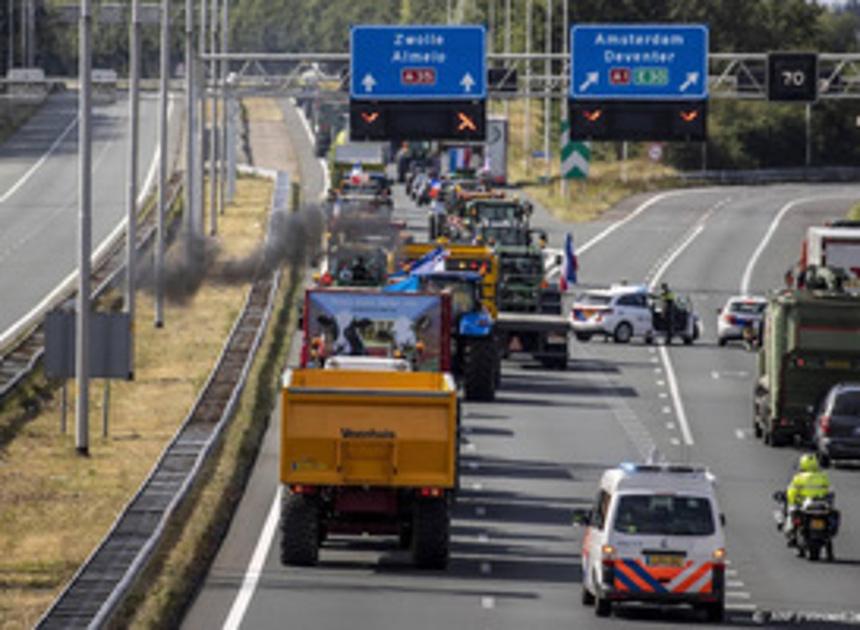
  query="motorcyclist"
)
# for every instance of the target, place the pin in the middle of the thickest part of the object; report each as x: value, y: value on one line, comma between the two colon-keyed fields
x: 667, y: 299
x: 809, y: 482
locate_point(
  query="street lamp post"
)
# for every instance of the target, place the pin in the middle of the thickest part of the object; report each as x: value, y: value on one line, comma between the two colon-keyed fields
x: 131, y: 199
x: 162, y: 162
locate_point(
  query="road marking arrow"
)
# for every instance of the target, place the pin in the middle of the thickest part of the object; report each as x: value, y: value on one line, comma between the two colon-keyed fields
x: 368, y: 82
x: 467, y: 82
x: 591, y: 78
x: 692, y: 79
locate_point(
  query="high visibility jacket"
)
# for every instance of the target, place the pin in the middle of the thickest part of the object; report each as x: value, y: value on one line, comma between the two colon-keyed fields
x: 807, y: 485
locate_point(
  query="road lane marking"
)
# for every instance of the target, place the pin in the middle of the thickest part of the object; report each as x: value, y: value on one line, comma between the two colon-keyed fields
x: 486, y: 568
x: 477, y: 486
x: 671, y: 426
x: 483, y: 538
x: 675, y: 441
x: 38, y: 164
x: 738, y: 595
x: 658, y: 370
x: 255, y: 567
x: 488, y: 603
x: 470, y: 447
x: 639, y: 210
x: 474, y: 465
x: 734, y: 583
x: 480, y: 511
x: 661, y: 383
x: 675, y: 392
x: 667, y: 410
x: 740, y: 606
x: 746, y: 279
x: 663, y: 395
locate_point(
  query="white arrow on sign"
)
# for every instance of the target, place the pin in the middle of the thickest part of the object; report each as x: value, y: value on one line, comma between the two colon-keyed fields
x: 368, y: 82
x: 590, y: 79
x: 692, y: 79
x: 467, y: 82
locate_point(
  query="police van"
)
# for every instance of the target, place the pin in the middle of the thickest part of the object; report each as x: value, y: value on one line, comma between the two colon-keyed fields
x: 654, y: 534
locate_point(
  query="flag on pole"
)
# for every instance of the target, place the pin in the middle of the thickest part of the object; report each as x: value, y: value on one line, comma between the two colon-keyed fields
x: 571, y: 264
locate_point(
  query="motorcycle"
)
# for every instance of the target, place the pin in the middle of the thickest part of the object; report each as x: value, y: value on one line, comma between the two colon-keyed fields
x: 813, y: 525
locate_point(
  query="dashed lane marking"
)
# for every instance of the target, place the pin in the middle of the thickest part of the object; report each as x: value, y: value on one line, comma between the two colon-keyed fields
x: 667, y: 410
x: 480, y: 511
x: 488, y: 603
x: 486, y: 568
x: 738, y: 595
x: 483, y: 538
x: 477, y: 486
x: 671, y: 426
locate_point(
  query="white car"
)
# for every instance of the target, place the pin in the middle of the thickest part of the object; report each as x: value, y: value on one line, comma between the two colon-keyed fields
x: 621, y: 312
x: 739, y: 312
x: 654, y: 534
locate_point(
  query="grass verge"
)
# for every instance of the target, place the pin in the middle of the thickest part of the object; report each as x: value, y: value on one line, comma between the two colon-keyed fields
x: 13, y: 115
x: 610, y: 179
x: 854, y: 213
x: 54, y: 505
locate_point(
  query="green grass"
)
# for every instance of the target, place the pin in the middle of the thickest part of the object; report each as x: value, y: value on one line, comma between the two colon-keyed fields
x: 854, y: 213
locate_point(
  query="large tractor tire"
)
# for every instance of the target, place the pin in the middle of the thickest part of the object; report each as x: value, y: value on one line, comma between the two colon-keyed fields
x: 300, y: 530
x: 480, y: 366
x: 430, y: 534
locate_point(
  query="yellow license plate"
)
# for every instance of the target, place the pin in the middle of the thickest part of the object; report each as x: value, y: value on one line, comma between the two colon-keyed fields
x: 818, y: 523
x: 837, y: 365
x: 664, y: 561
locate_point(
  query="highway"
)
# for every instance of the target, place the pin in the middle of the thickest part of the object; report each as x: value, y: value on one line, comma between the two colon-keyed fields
x: 536, y: 453
x: 39, y: 194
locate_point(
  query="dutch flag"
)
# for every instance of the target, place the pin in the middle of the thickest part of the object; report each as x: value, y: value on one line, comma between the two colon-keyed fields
x: 571, y: 265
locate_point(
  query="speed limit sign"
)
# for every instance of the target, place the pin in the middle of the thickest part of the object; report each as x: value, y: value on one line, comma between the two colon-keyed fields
x: 655, y: 152
x: 792, y: 77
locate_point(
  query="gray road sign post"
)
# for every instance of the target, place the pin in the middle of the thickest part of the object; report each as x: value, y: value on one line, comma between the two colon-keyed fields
x: 131, y: 200
x: 162, y: 162
x: 82, y: 436
x: 547, y: 103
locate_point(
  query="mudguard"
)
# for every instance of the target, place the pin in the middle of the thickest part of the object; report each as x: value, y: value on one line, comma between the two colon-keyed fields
x: 475, y: 325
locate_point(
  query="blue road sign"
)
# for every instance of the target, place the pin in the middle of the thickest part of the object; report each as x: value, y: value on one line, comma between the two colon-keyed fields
x: 639, y: 61
x: 418, y: 63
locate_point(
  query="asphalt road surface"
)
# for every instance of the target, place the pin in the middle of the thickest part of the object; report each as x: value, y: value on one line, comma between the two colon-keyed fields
x: 39, y: 194
x: 535, y: 454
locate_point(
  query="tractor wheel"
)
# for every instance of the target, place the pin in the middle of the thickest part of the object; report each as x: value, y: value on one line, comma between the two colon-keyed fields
x: 480, y: 366
x: 430, y: 534
x: 300, y: 526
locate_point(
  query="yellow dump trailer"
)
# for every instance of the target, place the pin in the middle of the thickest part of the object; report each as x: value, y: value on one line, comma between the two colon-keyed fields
x: 367, y: 452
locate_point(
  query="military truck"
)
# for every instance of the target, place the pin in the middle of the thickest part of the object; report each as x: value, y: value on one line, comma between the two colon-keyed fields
x: 811, y: 341
x: 367, y: 452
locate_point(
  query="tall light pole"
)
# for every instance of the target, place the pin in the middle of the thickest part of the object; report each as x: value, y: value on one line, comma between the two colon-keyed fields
x: 200, y: 93
x: 565, y: 28
x: 131, y: 199
x: 82, y: 324
x: 213, y: 125
x: 189, y: 129
x: 225, y: 23
x: 527, y: 130
x: 507, y: 44
x: 163, y: 95
x: 10, y: 23
x: 547, y: 101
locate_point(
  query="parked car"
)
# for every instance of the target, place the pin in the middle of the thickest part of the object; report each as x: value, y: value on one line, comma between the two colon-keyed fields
x: 837, y: 424
x: 739, y: 312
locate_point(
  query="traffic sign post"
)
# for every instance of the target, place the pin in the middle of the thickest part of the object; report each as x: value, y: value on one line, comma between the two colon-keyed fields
x: 792, y: 77
x: 639, y: 61
x: 418, y: 62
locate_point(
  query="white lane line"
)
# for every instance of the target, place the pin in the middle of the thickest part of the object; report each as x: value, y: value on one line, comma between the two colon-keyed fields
x: 740, y: 606
x: 474, y: 465
x: 715, y: 375
x: 480, y: 511
x: 734, y: 583
x: 661, y: 383
x: 731, y: 572
x: 488, y: 603
x: 483, y: 538
x: 477, y: 486
x: 671, y: 426
x: 741, y: 434
x: 663, y: 395
x: 746, y: 279
x: 470, y: 447
x: 658, y: 370
x: 255, y: 567
x: 486, y: 568
x: 639, y: 210
x: 667, y: 410
x: 38, y: 164
x: 675, y: 392
x: 675, y: 442
x: 653, y: 359
x: 738, y: 595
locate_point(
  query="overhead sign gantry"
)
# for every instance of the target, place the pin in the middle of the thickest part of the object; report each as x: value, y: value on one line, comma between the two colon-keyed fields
x: 638, y: 81
x: 418, y: 83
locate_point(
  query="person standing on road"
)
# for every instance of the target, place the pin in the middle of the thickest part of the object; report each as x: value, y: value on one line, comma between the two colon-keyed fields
x: 667, y: 298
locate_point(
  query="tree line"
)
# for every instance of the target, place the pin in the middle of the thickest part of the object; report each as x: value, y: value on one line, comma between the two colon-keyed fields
x: 742, y: 134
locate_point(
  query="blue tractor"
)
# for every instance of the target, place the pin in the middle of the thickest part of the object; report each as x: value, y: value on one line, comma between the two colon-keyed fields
x: 475, y: 358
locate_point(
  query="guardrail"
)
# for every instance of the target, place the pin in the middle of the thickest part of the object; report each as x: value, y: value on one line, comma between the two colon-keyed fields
x: 101, y: 583
x: 776, y: 175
